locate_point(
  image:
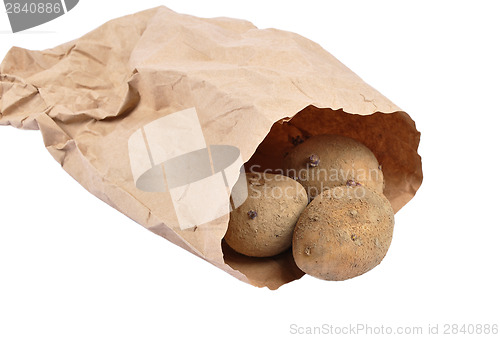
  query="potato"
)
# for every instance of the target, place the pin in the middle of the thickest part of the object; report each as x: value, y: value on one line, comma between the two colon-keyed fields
x: 326, y: 161
x: 263, y: 225
x: 343, y: 233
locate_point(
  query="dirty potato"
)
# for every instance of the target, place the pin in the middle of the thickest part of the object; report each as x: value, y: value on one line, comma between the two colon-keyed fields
x: 343, y: 233
x: 263, y: 225
x: 326, y: 161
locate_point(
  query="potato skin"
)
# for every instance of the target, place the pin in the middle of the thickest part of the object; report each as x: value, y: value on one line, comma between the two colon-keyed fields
x: 335, y: 161
x: 343, y: 233
x: 263, y: 225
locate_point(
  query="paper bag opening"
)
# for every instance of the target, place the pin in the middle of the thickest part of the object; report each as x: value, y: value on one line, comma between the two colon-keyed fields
x: 393, y: 139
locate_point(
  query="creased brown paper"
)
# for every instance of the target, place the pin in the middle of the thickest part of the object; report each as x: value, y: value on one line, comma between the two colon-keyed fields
x: 252, y: 89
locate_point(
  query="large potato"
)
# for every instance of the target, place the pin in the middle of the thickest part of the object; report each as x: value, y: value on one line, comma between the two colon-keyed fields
x: 326, y: 161
x: 263, y: 225
x: 343, y: 233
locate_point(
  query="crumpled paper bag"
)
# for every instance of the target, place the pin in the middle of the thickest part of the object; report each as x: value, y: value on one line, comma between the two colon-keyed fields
x: 255, y: 90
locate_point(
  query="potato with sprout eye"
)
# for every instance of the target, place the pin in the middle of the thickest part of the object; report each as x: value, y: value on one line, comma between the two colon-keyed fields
x: 343, y: 233
x: 263, y: 225
x: 326, y: 161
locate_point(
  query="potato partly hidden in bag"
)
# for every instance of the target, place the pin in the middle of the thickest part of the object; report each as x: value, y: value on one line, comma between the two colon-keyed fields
x: 159, y: 114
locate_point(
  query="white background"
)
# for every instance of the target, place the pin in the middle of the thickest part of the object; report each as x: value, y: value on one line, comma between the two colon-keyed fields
x: 71, y: 266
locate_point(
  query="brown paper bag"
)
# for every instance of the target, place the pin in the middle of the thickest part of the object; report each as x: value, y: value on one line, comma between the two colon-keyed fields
x: 101, y: 99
